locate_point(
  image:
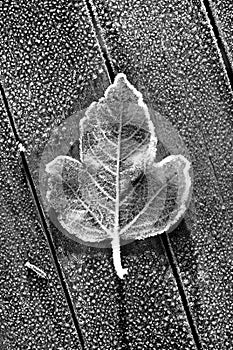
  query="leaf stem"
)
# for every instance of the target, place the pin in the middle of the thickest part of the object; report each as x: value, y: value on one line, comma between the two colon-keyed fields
x: 116, y: 253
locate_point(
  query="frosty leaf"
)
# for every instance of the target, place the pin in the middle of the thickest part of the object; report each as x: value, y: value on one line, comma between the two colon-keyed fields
x: 117, y: 190
x: 174, y: 170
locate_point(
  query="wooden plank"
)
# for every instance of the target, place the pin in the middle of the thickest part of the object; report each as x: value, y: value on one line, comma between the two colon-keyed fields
x: 222, y: 12
x: 52, y: 67
x: 33, y: 309
x: 167, y: 51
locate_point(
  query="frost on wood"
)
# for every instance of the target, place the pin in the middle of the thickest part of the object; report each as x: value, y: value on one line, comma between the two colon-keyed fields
x: 115, y: 189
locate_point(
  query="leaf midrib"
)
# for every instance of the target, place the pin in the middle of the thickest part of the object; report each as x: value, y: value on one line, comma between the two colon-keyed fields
x: 117, y: 202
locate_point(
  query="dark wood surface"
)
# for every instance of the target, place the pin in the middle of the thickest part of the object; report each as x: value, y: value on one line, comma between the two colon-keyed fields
x: 33, y: 311
x: 169, y: 52
x: 52, y: 66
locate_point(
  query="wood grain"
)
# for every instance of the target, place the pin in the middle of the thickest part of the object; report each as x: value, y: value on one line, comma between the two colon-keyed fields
x: 33, y: 311
x: 168, y: 51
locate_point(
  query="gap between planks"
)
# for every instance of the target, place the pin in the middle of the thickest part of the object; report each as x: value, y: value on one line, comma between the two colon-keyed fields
x: 42, y: 216
x: 220, y: 43
x: 164, y: 237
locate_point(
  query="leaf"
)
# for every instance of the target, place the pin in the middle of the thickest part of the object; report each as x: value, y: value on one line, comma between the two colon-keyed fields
x: 117, y: 189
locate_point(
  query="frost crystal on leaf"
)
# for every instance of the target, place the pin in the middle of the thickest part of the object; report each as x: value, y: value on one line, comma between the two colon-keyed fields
x: 117, y: 190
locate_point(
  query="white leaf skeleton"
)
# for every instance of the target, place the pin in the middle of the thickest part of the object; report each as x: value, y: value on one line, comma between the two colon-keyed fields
x: 117, y: 190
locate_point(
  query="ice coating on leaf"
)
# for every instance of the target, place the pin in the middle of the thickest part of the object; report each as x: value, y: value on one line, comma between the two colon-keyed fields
x: 120, y: 116
x: 175, y: 172
x: 117, y: 190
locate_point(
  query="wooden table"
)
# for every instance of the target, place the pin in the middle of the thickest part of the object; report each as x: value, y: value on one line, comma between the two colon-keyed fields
x: 58, y: 57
